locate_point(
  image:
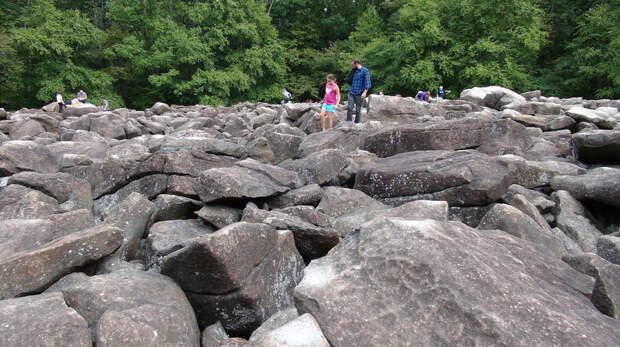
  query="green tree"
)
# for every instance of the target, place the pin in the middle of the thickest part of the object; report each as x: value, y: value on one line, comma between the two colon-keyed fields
x: 216, y: 52
x: 50, y: 50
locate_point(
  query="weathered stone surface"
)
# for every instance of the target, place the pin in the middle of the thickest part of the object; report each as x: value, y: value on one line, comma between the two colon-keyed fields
x: 32, y: 271
x: 463, y: 178
x: 300, y: 332
x: 19, y: 202
x: 169, y: 207
x: 252, y: 180
x: 346, y: 139
x: 182, y: 185
x: 601, y: 119
x: 306, y: 195
x: 213, y: 335
x: 546, y: 123
x: 312, y: 241
x: 598, y: 146
x: 42, y: 320
x: 132, y: 216
x: 81, y: 109
x: 449, y: 135
x: 572, y: 219
x: 534, y: 108
x: 241, y: 292
x: 274, y: 322
x: 601, y: 184
x: 131, y: 308
x: 16, y: 156
x: 339, y: 201
x: 160, y: 108
x: 149, y: 186
x: 219, y: 216
x: 608, y: 248
x: 543, y: 202
x: 26, y: 129
x: 319, y: 167
x: 71, y: 193
x: 446, y: 270
x: 505, y: 137
x: 169, y: 236
x: 470, y: 216
x: 396, y: 109
x: 521, y: 203
x: 606, y: 293
x: 513, y: 221
x: 494, y: 96
x: 532, y: 174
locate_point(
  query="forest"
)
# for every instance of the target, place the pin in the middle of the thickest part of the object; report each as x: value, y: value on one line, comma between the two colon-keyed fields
x: 221, y: 52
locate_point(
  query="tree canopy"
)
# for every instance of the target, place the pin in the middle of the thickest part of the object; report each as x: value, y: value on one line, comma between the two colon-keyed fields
x: 222, y: 52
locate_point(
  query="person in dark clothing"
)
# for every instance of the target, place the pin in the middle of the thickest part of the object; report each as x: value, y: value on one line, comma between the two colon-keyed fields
x: 60, y: 101
x: 359, y: 84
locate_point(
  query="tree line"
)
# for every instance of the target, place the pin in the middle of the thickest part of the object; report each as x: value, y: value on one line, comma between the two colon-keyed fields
x: 219, y: 52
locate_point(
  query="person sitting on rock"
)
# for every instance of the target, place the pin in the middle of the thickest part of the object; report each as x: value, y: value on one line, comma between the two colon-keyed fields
x: 81, y: 96
x: 331, y: 99
x: 441, y: 93
x: 421, y: 95
x: 286, y: 96
x: 60, y: 101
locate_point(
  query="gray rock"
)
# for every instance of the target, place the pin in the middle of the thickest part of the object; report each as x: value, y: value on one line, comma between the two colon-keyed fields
x: 306, y: 195
x: 26, y: 129
x: 445, y: 271
x: 32, y: 271
x: 19, y: 202
x: 494, y: 97
x: 522, y: 204
x: 160, y: 108
x: 449, y: 135
x: 131, y: 308
x: 319, y: 167
x: 398, y: 109
x: 535, y: 108
x: 532, y: 174
x: 312, y: 241
x: 42, y: 320
x: 132, y: 216
x: 601, y: 119
x: 608, y: 248
x: 470, y: 216
x: 543, y: 202
x: 572, y: 219
x: 505, y: 137
x: 601, y: 184
x: 513, y: 221
x: 606, y: 293
x: 149, y: 186
x: 241, y: 292
x: 169, y: 236
x: 274, y: 322
x: 300, y: 332
x: 339, y: 201
x: 169, y: 207
x: 16, y: 156
x: 213, y: 335
x: 346, y: 139
x: 546, y: 123
x: 219, y: 216
x: 463, y: 178
x: 71, y: 193
x: 598, y: 146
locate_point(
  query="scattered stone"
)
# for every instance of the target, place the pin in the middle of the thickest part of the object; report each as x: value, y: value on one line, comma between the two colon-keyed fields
x: 219, y: 216
x: 601, y: 184
x: 608, y: 248
x: 306, y: 195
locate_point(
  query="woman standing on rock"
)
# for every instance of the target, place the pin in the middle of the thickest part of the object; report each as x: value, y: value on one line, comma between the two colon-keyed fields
x: 332, y: 98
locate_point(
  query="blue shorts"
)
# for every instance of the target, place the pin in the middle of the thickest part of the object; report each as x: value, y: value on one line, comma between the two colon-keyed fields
x: 329, y: 108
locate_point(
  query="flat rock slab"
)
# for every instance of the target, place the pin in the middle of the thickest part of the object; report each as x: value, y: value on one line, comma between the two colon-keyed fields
x: 447, y: 284
x: 602, y: 185
x: 494, y: 96
x: 463, y: 178
x: 598, y: 146
x: 33, y: 271
x: 42, y: 320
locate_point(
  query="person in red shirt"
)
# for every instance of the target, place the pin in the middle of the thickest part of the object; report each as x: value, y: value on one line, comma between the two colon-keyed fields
x: 331, y: 99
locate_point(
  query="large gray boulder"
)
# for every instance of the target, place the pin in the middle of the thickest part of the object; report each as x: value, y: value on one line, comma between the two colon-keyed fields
x: 598, y: 146
x: 131, y: 308
x: 494, y: 96
x: 463, y: 178
x: 601, y: 119
x: 534, y: 108
x: 608, y: 248
x: 448, y: 135
x: 132, y: 216
x: 306, y: 195
x: 32, y: 271
x: 387, y: 108
x: 544, y: 122
x: 572, y: 218
x: 169, y: 236
x: 149, y: 186
x: 42, y: 320
x: 16, y: 156
x: 71, y: 193
x: 300, y: 332
x: 319, y: 167
x: 430, y: 272
x: 239, y: 291
x: 346, y: 139
x: 19, y: 202
x: 601, y: 184
x: 246, y: 180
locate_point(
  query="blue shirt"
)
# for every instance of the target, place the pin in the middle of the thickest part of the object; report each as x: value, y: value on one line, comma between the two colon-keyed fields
x: 361, y: 81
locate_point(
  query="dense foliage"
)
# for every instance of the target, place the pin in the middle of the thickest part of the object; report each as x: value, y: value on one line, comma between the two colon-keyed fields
x: 225, y: 51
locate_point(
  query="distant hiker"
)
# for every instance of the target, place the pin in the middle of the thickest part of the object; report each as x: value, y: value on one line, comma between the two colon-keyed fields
x: 286, y: 96
x: 105, y: 105
x: 359, y: 84
x: 441, y: 93
x: 421, y: 95
x: 331, y: 99
x: 60, y: 101
x: 81, y: 96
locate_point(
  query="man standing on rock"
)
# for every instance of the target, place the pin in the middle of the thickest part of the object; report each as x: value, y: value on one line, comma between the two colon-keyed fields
x: 359, y: 84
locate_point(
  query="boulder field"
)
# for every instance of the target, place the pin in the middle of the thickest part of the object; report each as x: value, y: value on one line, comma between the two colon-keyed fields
x: 491, y: 220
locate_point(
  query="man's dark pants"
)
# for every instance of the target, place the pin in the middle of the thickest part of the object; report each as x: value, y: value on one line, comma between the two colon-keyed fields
x: 354, y: 101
